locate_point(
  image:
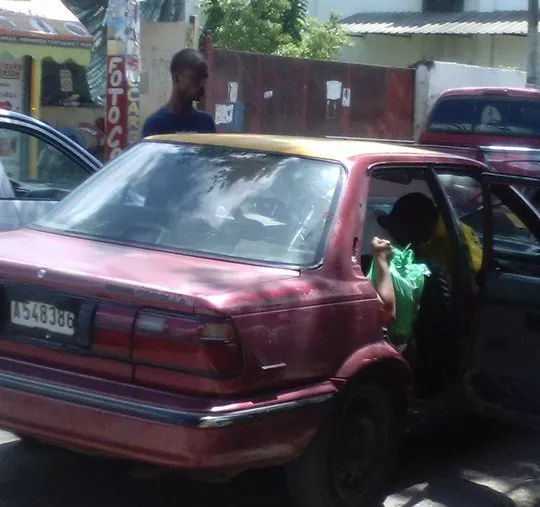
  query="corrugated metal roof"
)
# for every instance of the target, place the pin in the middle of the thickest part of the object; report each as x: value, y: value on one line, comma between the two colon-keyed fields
x: 437, y: 23
x: 41, y: 22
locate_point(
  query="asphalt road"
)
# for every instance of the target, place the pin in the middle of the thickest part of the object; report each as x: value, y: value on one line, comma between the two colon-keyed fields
x: 470, y: 463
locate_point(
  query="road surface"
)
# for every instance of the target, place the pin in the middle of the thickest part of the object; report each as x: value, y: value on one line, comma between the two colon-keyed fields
x: 472, y: 463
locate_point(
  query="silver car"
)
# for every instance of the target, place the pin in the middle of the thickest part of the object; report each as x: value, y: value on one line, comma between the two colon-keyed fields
x: 38, y: 167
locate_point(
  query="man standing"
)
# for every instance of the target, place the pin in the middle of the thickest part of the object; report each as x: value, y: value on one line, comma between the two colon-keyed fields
x: 189, y: 71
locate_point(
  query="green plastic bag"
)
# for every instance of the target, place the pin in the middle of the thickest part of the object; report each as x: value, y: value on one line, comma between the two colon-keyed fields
x: 408, y: 278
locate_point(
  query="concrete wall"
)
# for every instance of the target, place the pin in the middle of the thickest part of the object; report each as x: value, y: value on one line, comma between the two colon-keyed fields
x: 432, y: 80
x: 495, y: 5
x: 402, y: 51
x: 159, y: 42
x: 321, y: 8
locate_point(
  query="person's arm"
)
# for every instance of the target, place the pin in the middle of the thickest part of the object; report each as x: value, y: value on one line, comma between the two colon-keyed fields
x: 383, y: 281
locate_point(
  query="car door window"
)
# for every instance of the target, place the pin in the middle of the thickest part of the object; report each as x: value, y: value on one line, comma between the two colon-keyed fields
x: 515, y: 248
x: 36, y: 169
x: 385, y: 188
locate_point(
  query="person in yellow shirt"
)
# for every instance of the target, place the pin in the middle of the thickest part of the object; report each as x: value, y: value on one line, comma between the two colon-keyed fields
x: 416, y: 221
x: 431, y: 350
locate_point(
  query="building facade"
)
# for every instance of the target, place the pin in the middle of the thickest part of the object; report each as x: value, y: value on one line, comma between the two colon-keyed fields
x: 403, y: 32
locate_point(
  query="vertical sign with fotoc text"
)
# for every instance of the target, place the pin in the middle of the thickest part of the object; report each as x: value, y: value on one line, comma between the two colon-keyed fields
x: 122, y: 126
x: 116, y: 107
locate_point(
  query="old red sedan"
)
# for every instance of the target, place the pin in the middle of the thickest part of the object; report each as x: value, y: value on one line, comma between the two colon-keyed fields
x: 201, y: 303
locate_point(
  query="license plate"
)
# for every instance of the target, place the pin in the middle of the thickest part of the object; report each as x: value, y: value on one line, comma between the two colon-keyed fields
x: 42, y: 316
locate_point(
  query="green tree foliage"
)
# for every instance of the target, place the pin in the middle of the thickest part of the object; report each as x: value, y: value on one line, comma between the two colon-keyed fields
x: 273, y: 27
x: 319, y: 40
x: 293, y: 18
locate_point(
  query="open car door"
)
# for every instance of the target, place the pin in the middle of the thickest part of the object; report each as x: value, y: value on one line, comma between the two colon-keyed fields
x: 503, y: 363
x: 38, y: 167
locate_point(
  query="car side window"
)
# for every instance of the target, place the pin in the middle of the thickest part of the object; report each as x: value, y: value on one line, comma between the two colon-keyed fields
x: 35, y: 168
x: 386, y: 187
x: 511, y: 236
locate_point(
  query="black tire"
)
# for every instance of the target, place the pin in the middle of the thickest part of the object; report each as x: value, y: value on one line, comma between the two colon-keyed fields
x: 348, y: 461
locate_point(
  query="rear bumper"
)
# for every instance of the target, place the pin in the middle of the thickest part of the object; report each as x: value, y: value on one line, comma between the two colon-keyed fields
x: 154, y: 413
x: 238, y: 435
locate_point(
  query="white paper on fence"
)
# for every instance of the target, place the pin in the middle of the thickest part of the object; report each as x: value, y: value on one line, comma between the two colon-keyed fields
x: 346, y: 101
x: 224, y: 114
x: 233, y: 91
x: 333, y: 90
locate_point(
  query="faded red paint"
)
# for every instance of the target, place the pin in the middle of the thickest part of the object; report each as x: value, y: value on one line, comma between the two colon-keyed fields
x: 288, y: 95
x: 301, y: 334
x: 400, y: 103
x: 257, y: 443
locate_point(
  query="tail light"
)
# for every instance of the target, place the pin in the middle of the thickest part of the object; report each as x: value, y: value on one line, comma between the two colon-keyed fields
x: 112, y: 331
x: 196, y: 345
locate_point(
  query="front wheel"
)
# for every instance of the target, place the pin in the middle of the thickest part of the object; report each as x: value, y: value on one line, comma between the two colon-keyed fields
x: 348, y: 461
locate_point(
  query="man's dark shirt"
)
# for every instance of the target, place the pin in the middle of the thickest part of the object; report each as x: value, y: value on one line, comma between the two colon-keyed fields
x: 165, y: 122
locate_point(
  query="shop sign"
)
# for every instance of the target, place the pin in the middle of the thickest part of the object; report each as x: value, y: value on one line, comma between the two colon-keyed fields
x: 116, y: 107
x: 11, y: 98
x: 133, y: 104
x: 123, y: 50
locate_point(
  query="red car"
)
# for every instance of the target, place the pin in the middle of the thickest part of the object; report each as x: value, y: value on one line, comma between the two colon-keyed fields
x: 498, y: 126
x: 488, y: 116
x: 201, y: 303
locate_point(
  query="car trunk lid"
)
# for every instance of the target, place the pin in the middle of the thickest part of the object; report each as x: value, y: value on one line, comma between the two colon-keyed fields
x: 103, y: 309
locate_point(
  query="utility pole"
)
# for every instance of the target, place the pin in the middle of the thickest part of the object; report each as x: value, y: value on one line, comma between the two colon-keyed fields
x: 532, y: 40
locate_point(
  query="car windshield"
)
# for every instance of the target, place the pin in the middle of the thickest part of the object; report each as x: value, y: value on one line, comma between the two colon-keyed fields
x: 209, y: 201
x: 487, y: 116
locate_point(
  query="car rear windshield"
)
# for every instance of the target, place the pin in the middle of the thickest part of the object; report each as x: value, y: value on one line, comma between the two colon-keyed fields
x: 207, y: 200
x: 487, y: 116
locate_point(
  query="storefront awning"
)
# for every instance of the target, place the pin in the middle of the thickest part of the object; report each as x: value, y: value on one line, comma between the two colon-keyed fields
x: 43, y: 29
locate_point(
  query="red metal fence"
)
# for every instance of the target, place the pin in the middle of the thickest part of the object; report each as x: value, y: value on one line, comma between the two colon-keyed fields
x: 251, y: 92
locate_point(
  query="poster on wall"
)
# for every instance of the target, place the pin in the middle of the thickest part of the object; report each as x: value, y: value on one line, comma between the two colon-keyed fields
x: 11, y: 99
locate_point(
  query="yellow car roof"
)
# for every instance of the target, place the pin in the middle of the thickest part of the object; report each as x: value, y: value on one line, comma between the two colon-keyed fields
x: 326, y: 149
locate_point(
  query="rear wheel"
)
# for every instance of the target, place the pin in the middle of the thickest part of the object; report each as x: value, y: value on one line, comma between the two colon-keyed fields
x: 347, y: 463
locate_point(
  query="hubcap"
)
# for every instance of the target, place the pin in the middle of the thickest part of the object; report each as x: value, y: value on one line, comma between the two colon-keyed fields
x: 357, y: 448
